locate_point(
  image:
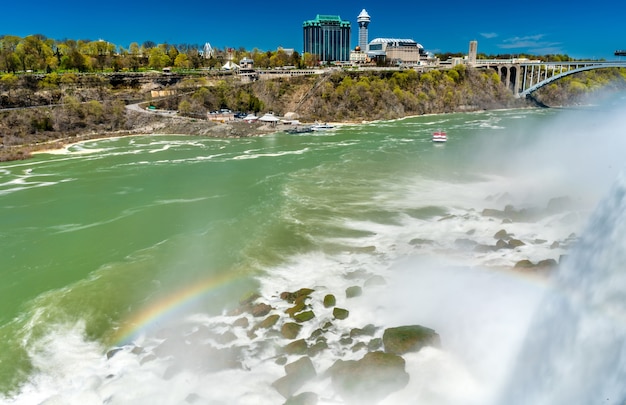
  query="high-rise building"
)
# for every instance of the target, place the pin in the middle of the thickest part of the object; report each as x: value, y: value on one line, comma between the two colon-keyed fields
x: 363, y: 20
x: 327, y: 37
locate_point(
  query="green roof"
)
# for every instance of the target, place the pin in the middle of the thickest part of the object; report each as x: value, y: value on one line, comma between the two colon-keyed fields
x: 321, y: 19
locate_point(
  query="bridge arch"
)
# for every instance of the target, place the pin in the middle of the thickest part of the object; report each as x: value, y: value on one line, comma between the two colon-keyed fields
x: 525, y: 91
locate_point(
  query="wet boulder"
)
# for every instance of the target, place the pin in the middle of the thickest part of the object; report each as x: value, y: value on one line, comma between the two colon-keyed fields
x: 370, y: 379
x: 297, y: 374
x: 404, y: 339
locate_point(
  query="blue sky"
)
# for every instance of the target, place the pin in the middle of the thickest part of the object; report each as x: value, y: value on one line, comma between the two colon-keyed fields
x: 590, y: 32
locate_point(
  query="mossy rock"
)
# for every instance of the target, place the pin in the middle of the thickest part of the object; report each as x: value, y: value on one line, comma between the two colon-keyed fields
x: 295, y: 309
x: 375, y: 344
x: 370, y: 379
x: 304, y: 316
x: 290, y: 330
x: 353, y: 291
x: 293, y: 296
x: 367, y: 330
x: 296, y: 347
x: 329, y: 301
x: 317, y: 348
x: 268, y: 322
x: 340, y: 313
x: 404, y: 339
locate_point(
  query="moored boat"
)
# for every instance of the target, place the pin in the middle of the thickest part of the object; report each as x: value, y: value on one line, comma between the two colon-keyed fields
x: 321, y: 127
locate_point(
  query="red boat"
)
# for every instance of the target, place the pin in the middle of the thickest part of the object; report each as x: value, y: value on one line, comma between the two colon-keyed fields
x: 440, y: 136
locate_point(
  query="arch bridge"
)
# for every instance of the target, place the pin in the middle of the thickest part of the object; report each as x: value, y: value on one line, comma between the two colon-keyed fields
x: 523, y: 77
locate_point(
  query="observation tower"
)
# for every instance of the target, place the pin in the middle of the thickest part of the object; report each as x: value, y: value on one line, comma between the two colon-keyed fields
x: 363, y: 20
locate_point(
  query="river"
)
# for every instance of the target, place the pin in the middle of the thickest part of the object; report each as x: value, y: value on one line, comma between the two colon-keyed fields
x: 110, y: 242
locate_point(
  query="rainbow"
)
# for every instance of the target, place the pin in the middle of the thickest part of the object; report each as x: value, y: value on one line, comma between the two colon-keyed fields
x: 159, y: 311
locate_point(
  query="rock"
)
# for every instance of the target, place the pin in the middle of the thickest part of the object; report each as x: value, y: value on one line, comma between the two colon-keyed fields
x: 514, y: 243
x: 488, y: 212
x: 419, y: 241
x: 353, y: 291
x: 268, y: 322
x: 501, y: 234
x: 296, y: 347
x: 368, y: 330
x: 340, y: 313
x: 547, y: 264
x: 404, y: 339
x: 375, y: 281
x: 317, y: 348
x: 305, y: 398
x: 304, y: 316
x: 261, y: 309
x: 298, y: 373
x: 329, y: 301
x: 295, y: 309
x: 113, y: 352
x: 293, y: 296
x: 370, y: 379
x: 359, y: 346
x: 357, y: 275
x: 501, y: 244
x: 375, y: 344
x: 241, y: 322
x: 524, y: 264
x: 290, y: 330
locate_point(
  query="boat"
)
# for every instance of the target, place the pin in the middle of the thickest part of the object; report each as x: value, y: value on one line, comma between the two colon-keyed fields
x: 299, y: 129
x: 440, y: 136
x: 321, y: 127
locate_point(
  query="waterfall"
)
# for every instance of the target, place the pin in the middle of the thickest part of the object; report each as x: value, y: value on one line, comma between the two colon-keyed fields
x: 575, y: 349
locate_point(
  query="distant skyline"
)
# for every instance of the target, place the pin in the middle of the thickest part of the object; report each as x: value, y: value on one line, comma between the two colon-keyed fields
x: 499, y: 27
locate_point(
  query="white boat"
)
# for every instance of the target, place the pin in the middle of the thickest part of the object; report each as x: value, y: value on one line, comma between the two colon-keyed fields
x: 321, y: 127
x: 440, y: 136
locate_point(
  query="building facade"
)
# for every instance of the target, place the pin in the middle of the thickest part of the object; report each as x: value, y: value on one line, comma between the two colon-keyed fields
x: 327, y: 37
x: 397, y: 51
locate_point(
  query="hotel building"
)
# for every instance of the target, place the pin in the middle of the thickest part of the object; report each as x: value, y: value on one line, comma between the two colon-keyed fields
x: 327, y: 37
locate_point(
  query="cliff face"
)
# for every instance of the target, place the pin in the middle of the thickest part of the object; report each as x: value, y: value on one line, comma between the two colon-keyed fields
x: 357, y: 96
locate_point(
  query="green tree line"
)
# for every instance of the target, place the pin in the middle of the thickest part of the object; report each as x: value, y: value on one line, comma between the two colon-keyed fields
x: 36, y: 53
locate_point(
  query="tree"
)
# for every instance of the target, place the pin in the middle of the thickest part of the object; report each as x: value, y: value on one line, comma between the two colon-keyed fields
x: 8, y: 58
x: 158, y: 58
x: 182, y: 61
x: 33, y: 52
